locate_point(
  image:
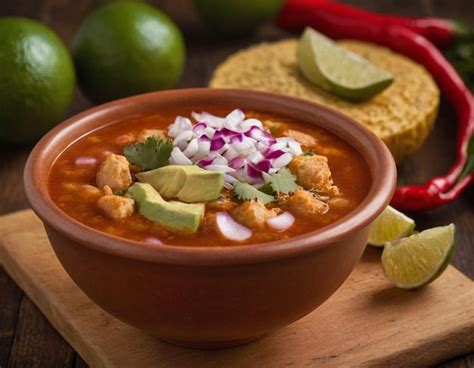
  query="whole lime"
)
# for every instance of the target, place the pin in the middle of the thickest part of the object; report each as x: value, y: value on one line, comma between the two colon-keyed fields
x: 126, y: 48
x: 232, y: 17
x: 36, y: 80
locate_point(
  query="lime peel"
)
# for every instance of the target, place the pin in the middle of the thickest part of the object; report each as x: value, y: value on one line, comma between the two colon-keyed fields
x: 416, y: 261
x: 337, y: 70
x: 389, y: 226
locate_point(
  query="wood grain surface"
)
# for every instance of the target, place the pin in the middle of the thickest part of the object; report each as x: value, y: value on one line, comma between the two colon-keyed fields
x: 27, y: 339
x: 387, y: 326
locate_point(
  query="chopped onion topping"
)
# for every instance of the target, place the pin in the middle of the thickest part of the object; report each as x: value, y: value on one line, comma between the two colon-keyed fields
x: 281, y: 222
x: 239, y: 147
x: 85, y: 161
x: 231, y: 229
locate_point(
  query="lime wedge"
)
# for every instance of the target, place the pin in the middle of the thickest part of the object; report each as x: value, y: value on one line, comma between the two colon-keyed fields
x: 419, y: 259
x: 389, y: 226
x: 338, y: 70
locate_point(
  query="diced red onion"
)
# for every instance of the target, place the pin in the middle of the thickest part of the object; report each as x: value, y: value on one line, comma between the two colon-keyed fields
x: 248, y: 123
x: 230, y: 153
x: 217, y: 143
x: 253, y: 172
x: 209, y: 132
x: 260, y: 135
x: 282, y: 161
x: 264, y: 165
x: 237, y: 162
x: 281, y: 222
x: 85, y: 161
x: 273, y: 153
x: 255, y: 157
x: 240, y: 148
x: 204, y: 147
x: 231, y: 229
x: 237, y: 138
x: 206, y: 162
x: 210, y: 120
x: 199, y: 127
x: 178, y: 158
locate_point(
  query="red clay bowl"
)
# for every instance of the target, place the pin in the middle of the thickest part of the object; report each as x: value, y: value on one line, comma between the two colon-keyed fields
x: 216, y: 296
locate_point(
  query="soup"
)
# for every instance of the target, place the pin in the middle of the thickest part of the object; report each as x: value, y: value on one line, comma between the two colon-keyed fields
x: 208, y: 180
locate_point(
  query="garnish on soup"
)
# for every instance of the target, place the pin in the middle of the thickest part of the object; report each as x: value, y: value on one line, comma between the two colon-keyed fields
x: 212, y: 180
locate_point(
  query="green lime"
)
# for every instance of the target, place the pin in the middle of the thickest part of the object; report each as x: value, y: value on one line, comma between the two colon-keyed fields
x: 419, y: 259
x: 36, y: 80
x: 389, y: 226
x: 338, y: 70
x: 231, y: 17
x: 126, y: 48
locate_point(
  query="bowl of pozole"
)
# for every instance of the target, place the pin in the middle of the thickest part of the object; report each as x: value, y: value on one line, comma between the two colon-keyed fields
x: 209, y: 217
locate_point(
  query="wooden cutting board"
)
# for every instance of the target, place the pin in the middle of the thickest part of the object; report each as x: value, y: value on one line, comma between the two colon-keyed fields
x: 367, y: 322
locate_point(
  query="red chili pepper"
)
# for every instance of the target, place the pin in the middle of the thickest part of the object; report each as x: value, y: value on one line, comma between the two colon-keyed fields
x: 441, y: 32
x: 439, y: 190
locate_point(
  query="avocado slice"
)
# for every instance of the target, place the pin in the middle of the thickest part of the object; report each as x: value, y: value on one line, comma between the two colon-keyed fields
x: 188, y: 183
x: 182, y: 217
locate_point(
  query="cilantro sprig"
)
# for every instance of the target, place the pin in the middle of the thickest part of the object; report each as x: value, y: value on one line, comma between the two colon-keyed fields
x: 283, y: 181
x: 151, y: 154
x: 246, y: 192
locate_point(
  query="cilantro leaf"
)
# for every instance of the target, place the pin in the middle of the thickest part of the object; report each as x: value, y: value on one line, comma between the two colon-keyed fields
x: 283, y: 181
x: 151, y: 154
x: 308, y: 153
x: 246, y: 192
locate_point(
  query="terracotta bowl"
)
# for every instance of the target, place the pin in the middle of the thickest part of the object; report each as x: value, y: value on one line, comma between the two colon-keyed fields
x: 209, y: 297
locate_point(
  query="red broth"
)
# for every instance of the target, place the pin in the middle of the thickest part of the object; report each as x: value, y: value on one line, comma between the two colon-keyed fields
x: 78, y: 164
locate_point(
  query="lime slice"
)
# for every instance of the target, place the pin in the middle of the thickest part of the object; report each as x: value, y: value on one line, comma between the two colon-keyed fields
x: 419, y: 259
x: 338, y: 70
x: 389, y: 226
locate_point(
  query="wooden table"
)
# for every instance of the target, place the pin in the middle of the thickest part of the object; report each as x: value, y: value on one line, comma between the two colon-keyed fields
x: 26, y: 337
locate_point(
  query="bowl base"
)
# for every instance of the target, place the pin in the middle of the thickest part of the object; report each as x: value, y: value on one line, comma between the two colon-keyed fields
x: 211, y: 345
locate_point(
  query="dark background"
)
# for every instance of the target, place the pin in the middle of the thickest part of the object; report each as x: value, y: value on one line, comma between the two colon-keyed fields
x: 26, y: 337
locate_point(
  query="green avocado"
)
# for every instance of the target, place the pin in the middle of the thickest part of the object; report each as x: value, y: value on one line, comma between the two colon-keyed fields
x: 188, y: 183
x: 182, y: 217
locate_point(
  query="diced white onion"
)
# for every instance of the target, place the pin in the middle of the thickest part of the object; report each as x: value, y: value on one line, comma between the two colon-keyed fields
x: 85, y: 161
x: 178, y: 157
x: 231, y: 229
x: 281, y: 222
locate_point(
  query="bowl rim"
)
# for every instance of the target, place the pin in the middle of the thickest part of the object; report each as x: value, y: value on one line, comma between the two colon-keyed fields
x: 378, y: 197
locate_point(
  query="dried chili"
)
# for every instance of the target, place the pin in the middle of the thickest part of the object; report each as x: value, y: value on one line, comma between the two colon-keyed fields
x: 297, y: 14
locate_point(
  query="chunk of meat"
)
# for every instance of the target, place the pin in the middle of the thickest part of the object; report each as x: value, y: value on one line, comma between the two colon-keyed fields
x: 106, y: 190
x: 114, y: 171
x: 304, y: 203
x: 89, y: 192
x: 313, y: 173
x: 147, y: 133
x: 124, y: 139
x: 302, y: 138
x: 223, y: 203
x: 116, y: 207
x: 253, y: 214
